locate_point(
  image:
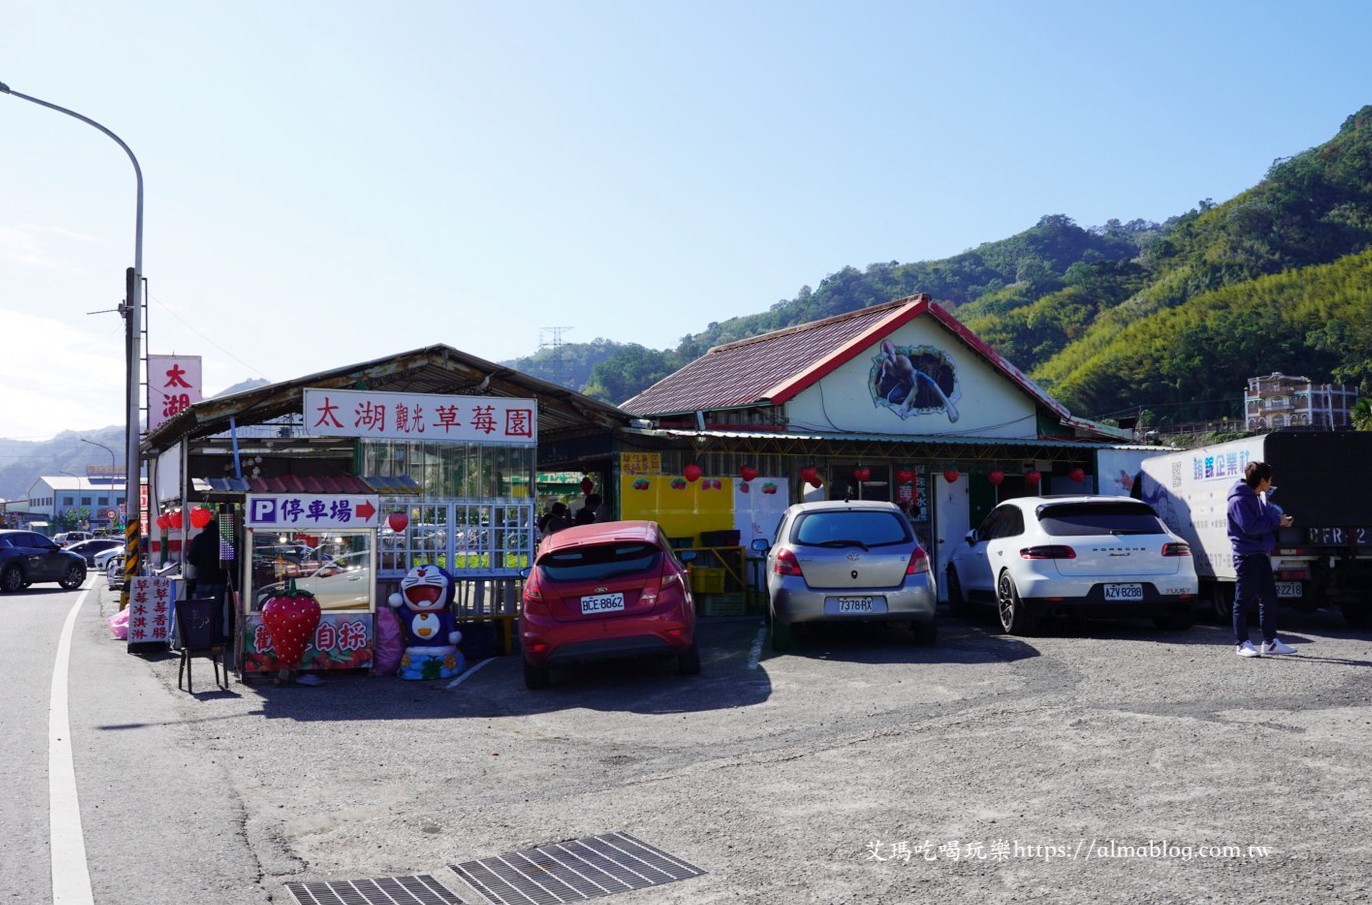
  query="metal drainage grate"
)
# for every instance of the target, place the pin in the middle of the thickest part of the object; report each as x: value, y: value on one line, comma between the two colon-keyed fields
x: 421, y: 890
x: 573, y: 871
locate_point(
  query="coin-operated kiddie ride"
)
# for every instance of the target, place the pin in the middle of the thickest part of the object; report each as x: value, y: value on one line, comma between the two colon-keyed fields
x: 424, y: 606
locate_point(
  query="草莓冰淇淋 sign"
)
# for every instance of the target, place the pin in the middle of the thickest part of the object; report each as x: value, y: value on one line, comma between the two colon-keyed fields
x: 420, y: 416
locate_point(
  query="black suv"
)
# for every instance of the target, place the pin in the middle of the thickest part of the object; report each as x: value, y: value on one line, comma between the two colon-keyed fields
x: 27, y: 557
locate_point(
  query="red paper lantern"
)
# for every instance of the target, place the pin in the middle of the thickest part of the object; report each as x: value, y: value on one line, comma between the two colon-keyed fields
x: 200, y: 517
x: 950, y: 475
x: 692, y: 472
x: 398, y: 521
x: 995, y: 477
x: 164, y: 521
x: 815, y: 480
x: 174, y: 519
x: 807, y: 474
x: 1032, y: 478
x: 587, y: 485
x: 1077, y: 475
x: 862, y: 473
x: 905, y: 476
x: 747, y: 472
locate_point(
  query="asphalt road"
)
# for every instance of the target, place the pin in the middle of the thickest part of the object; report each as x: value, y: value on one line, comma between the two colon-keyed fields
x: 1097, y: 762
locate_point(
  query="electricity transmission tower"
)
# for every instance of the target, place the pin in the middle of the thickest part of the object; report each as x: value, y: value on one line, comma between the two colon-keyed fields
x: 558, y: 363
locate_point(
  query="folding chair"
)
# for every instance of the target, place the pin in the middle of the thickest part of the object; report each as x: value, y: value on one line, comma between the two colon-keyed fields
x: 195, y: 628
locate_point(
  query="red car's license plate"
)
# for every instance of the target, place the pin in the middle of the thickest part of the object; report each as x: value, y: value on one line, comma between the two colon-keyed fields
x: 601, y: 603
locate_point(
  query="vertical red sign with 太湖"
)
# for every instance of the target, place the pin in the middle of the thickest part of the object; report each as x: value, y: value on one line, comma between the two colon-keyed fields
x: 174, y: 385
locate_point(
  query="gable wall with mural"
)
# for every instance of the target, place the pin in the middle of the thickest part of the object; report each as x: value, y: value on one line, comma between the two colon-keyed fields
x: 919, y: 380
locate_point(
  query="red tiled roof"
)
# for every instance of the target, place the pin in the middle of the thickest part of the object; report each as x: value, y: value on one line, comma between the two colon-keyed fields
x: 774, y: 367
x: 762, y: 368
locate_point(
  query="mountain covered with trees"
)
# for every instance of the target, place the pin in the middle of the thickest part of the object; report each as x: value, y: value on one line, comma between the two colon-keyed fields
x: 1171, y: 318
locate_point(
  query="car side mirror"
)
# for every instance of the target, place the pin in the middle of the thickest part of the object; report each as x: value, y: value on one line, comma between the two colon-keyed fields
x: 686, y: 555
x: 760, y: 545
x: 972, y: 538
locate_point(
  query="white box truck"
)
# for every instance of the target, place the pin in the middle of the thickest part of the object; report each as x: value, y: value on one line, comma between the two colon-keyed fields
x: 1323, y: 560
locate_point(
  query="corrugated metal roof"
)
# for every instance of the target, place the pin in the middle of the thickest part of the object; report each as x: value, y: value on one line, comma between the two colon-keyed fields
x: 348, y: 484
x: 437, y: 369
x: 835, y: 436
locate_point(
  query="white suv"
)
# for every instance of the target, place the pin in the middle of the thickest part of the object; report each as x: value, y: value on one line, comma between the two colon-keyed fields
x: 67, y: 538
x: 1074, y: 555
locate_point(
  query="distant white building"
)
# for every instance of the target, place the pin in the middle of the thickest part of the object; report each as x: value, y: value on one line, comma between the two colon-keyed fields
x: 1278, y: 401
x: 50, y: 496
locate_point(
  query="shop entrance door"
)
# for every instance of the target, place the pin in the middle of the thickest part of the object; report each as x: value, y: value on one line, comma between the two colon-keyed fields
x: 951, y: 522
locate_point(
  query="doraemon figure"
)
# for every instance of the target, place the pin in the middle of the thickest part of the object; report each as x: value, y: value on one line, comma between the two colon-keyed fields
x: 424, y: 607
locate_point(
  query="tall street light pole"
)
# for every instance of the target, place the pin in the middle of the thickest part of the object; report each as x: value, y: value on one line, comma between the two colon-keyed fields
x: 133, y: 307
x: 114, y: 469
x: 113, y: 465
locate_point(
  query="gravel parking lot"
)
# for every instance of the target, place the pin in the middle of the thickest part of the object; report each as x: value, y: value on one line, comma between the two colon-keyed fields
x: 1097, y: 762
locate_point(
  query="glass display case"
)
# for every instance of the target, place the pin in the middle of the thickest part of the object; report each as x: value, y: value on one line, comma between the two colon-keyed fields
x: 338, y: 567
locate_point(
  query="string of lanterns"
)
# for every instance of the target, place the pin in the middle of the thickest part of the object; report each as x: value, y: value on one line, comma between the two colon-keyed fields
x: 903, y: 475
x: 200, y: 516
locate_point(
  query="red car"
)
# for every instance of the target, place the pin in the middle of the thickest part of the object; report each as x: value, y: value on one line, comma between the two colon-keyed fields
x: 606, y: 590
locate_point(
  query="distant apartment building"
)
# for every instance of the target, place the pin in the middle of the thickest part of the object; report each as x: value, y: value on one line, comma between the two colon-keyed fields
x: 1278, y: 401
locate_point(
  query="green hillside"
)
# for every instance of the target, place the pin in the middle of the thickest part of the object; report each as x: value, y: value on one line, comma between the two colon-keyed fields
x: 1121, y: 316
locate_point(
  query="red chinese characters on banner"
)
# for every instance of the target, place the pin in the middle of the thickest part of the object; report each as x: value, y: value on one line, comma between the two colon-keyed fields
x: 328, y: 414
x: 149, y: 609
x: 363, y: 413
x: 340, y: 641
x: 174, y: 384
x: 519, y: 423
x: 370, y: 416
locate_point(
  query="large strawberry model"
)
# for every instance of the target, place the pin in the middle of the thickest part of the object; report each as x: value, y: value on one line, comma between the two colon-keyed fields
x: 291, y: 619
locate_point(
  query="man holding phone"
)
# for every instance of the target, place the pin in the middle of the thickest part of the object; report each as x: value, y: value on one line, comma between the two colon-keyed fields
x: 1253, y: 524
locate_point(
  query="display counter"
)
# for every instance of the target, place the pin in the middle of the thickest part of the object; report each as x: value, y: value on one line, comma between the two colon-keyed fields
x: 339, y: 568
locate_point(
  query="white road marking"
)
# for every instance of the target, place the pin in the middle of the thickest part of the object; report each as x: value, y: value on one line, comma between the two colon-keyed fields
x: 71, y: 879
x: 462, y: 678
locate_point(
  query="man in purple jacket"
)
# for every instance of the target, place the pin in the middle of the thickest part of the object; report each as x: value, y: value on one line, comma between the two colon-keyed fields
x: 1253, y: 524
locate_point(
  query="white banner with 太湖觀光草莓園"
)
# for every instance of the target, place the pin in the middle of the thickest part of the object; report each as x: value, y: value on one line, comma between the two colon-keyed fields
x: 421, y: 416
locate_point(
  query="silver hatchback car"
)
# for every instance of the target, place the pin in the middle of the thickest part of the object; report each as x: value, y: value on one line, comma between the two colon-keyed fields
x: 842, y: 561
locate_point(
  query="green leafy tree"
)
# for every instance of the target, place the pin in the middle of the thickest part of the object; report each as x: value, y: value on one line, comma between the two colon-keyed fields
x: 627, y: 371
x: 72, y: 519
x: 1362, y: 414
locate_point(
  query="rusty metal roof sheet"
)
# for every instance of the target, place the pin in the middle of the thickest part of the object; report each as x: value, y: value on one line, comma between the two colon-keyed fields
x: 434, y: 369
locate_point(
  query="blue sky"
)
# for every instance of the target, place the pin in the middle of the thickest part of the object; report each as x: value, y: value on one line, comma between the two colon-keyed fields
x: 332, y: 182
